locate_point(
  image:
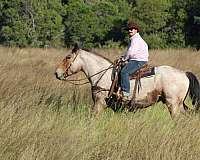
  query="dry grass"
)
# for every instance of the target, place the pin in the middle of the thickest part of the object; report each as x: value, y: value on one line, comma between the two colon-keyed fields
x: 46, y: 119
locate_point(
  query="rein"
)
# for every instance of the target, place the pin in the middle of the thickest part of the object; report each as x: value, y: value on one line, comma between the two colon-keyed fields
x: 79, y: 80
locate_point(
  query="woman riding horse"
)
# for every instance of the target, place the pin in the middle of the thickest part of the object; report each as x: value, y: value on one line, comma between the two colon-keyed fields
x: 168, y: 84
x: 136, y: 56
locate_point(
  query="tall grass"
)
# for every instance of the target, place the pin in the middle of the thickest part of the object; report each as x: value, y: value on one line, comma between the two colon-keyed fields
x: 46, y: 119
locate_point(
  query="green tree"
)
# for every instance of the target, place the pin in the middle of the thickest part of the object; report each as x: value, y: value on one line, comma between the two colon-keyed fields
x: 80, y: 23
x: 49, y: 28
x: 31, y: 23
x: 193, y: 24
x: 14, y: 28
x: 152, y: 16
x: 96, y: 23
x: 176, y: 24
x: 117, y: 33
x: 93, y: 23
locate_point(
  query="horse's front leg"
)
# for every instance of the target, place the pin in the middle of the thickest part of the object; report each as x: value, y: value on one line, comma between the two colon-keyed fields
x: 99, y: 102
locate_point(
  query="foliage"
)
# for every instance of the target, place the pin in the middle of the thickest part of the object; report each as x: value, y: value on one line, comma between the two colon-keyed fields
x: 31, y: 23
x: 50, y: 33
x: 97, y: 23
x: 152, y: 16
x: 155, y: 41
x: 93, y: 23
x: 193, y: 23
x: 176, y: 24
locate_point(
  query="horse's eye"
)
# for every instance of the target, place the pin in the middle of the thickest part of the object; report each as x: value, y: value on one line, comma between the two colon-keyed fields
x: 68, y: 57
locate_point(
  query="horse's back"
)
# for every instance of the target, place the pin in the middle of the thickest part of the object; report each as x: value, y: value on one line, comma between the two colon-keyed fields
x: 170, y: 73
x: 166, y: 69
x: 173, y: 81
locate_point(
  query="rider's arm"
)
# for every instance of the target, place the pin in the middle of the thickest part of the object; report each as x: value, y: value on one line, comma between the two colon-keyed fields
x: 130, y: 51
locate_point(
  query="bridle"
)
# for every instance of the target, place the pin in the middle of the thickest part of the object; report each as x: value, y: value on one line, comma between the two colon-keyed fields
x: 66, y: 72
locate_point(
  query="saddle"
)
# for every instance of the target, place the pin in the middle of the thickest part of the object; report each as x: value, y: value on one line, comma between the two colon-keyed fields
x: 115, y: 91
x: 145, y: 71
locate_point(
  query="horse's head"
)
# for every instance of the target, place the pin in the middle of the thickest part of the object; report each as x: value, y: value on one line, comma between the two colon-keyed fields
x: 71, y: 64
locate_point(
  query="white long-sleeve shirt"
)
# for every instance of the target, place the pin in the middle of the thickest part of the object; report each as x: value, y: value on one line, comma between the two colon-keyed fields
x: 137, y: 49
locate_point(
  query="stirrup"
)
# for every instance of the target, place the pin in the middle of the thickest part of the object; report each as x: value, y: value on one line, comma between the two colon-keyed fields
x: 118, y: 95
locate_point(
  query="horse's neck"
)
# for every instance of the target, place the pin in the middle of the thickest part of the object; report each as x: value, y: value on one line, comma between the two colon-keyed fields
x: 96, y: 69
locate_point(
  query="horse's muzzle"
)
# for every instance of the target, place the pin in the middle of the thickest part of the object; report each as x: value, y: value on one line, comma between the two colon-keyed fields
x: 59, y: 73
x: 59, y: 76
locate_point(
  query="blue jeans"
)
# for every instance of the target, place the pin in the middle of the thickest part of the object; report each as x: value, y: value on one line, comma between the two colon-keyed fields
x: 131, y: 67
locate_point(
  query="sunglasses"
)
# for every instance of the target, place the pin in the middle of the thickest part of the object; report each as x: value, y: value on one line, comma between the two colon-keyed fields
x: 130, y: 29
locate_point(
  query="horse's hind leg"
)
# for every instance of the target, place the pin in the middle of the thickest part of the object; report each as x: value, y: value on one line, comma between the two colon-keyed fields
x: 175, y: 106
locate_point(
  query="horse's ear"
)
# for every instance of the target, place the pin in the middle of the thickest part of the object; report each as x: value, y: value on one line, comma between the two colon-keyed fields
x: 75, y: 49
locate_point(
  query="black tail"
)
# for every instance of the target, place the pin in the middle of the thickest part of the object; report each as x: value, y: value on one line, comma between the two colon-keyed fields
x: 194, y: 89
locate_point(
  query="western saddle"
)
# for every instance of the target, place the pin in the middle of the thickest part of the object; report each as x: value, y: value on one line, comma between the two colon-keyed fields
x: 145, y: 71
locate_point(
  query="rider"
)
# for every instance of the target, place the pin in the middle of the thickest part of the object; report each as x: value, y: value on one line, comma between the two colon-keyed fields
x: 135, y: 57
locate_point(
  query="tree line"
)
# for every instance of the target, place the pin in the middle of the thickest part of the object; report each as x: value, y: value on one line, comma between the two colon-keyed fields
x: 99, y: 23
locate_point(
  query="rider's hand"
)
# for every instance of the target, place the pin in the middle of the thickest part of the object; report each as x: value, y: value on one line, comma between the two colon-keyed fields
x: 117, y: 60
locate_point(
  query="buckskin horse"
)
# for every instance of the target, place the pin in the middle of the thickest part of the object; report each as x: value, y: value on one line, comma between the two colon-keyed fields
x: 168, y: 84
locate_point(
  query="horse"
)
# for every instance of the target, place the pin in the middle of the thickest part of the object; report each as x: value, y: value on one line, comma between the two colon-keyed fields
x: 168, y: 84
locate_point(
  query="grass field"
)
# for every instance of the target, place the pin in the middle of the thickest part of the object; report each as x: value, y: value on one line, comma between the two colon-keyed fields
x: 42, y: 118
